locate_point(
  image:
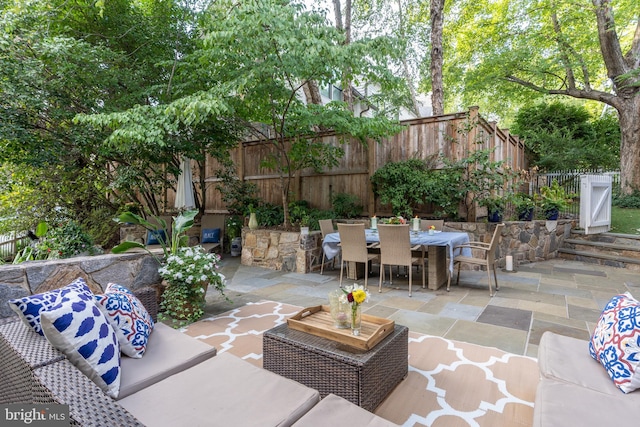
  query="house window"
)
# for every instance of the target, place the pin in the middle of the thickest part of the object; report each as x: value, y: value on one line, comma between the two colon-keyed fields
x: 336, y: 93
x: 326, y: 91
x: 332, y: 92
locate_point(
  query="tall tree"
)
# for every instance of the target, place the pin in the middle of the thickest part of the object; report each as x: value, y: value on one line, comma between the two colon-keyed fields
x: 343, y: 23
x: 437, y: 56
x: 250, y: 69
x: 61, y: 59
x: 408, y: 22
x: 588, y: 50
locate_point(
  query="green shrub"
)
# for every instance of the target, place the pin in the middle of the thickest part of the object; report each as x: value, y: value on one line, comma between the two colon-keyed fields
x: 269, y: 215
x: 346, y: 205
x: 64, y: 240
x: 628, y: 201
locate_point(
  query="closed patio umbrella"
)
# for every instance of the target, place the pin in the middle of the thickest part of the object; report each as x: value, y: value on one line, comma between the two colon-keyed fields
x: 184, y: 192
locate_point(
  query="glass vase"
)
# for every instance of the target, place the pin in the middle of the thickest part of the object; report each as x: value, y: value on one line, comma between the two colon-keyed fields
x: 356, y: 319
x: 340, y: 309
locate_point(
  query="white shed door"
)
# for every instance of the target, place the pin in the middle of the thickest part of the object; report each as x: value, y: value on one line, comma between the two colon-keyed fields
x: 595, y: 203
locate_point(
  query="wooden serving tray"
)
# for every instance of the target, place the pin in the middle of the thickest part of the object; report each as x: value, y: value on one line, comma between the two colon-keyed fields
x: 317, y: 321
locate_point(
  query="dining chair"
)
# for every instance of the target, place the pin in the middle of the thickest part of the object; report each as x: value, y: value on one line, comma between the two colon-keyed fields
x: 353, y: 245
x: 426, y: 223
x: 486, y: 258
x: 326, y: 227
x: 395, y: 249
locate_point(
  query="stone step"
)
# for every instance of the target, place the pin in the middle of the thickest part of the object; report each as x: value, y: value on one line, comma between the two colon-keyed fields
x: 598, y: 257
x: 617, y: 247
x: 613, y: 249
x: 623, y: 239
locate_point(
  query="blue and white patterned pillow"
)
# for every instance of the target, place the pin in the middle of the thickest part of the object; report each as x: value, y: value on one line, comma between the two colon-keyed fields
x: 211, y: 235
x: 128, y: 318
x: 30, y: 307
x: 616, y: 341
x: 78, y: 329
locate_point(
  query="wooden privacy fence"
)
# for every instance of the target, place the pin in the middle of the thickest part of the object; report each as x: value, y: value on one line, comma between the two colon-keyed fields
x: 451, y: 136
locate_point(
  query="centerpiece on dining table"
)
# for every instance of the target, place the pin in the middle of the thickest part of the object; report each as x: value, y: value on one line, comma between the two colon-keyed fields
x: 398, y: 220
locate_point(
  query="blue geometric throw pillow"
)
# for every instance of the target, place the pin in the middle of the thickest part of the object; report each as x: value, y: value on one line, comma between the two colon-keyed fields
x: 211, y: 235
x: 30, y: 307
x: 78, y: 329
x: 128, y: 318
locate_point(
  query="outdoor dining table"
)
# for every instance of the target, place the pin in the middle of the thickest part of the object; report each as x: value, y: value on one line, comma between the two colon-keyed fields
x: 438, y: 245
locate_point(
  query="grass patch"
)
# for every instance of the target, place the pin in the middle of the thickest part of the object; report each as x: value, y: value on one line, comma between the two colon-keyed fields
x: 626, y: 221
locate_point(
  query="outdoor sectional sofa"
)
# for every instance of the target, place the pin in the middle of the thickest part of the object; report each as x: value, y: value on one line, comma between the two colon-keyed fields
x: 178, y: 381
x: 575, y: 390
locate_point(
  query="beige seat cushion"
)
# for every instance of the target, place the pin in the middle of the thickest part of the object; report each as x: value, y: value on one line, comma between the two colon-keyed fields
x: 563, y: 404
x: 222, y: 391
x: 567, y: 359
x: 336, y: 411
x: 168, y: 352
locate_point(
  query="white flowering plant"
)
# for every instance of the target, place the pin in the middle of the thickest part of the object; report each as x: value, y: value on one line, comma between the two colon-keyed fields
x: 189, y: 272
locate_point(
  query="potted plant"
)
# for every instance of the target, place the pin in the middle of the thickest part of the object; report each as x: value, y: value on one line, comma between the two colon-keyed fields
x: 495, y: 207
x: 554, y: 199
x: 524, y: 205
x: 304, y: 225
x: 189, y: 273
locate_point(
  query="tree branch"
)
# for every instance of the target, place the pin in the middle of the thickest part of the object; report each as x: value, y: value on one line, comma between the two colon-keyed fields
x: 564, y: 57
x: 595, y: 95
x: 609, y: 42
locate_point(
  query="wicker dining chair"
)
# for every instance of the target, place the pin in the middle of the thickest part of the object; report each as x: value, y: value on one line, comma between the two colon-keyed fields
x: 354, y: 248
x: 487, y: 257
x: 326, y: 227
x: 395, y: 249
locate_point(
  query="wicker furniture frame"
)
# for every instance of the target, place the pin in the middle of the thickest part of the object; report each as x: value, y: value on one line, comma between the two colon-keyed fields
x: 32, y: 371
x: 363, y: 378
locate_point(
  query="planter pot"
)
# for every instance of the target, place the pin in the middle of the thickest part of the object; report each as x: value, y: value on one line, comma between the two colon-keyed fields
x: 552, y: 214
x: 253, y: 221
x: 236, y: 246
x: 495, y: 216
x: 526, y: 215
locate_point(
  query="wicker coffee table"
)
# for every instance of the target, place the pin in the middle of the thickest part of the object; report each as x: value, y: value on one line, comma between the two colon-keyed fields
x: 363, y: 378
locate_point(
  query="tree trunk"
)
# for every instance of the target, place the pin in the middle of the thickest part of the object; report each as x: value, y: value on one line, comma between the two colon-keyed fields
x: 405, y: 65
x: 629, y: 117
x: 312, y: 92
x: 437, y: 57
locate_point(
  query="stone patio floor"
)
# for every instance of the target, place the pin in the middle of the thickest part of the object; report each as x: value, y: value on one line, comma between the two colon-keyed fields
x: 556, y: 295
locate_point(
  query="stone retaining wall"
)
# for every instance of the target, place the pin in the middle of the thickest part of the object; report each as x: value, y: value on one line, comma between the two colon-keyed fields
x: 281, y: 250
x: 526, y: 241
x: 133, y: 270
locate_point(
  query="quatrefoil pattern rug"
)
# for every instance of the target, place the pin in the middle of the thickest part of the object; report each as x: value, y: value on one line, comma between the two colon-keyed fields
x: 450, y: 383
